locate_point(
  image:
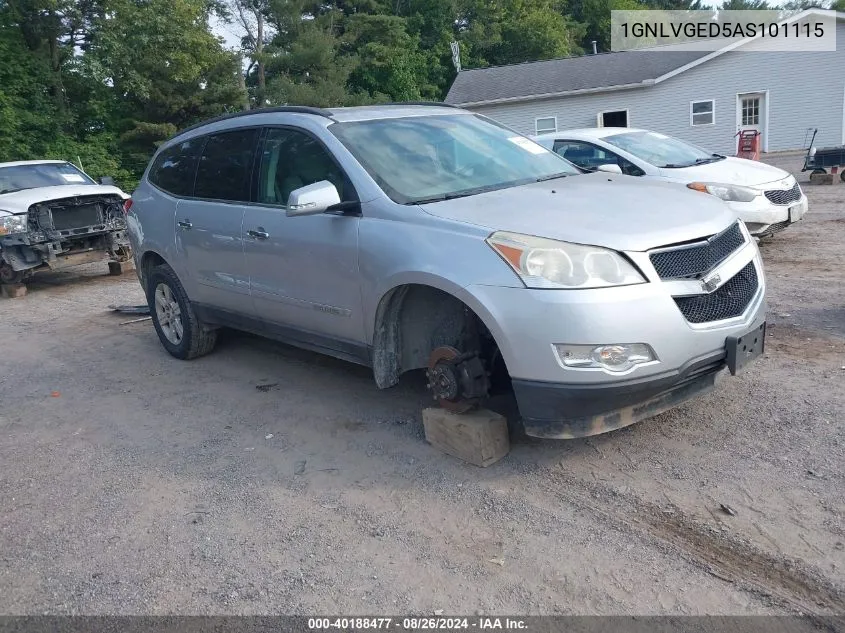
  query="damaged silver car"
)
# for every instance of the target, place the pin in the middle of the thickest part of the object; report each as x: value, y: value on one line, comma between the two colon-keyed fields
x: 53, y: 215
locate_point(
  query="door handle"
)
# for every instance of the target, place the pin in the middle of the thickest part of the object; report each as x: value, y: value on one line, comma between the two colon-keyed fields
x: 185, y: 224
x: 259, y: 234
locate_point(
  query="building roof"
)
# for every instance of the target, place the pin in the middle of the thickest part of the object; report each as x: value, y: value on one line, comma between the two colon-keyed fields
x: 558, y: 77
x: 589, y: 73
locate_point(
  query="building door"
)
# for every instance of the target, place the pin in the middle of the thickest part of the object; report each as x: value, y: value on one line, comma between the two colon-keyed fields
x: 751, y: 114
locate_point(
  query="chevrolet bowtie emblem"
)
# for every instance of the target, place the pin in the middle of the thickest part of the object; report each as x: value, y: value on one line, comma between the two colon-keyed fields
x: 711, y: 283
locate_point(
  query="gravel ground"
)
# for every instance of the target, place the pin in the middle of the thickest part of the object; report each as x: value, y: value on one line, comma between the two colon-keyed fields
x: 134, y: 483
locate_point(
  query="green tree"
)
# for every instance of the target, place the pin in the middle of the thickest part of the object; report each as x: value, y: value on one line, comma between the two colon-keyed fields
x: 796, y: 6
x: 744, y: 5
x: 516, y: 31
x: 164, y: 67
x: 595, y: 16
x: 28, y: 112
x: 388, y: 59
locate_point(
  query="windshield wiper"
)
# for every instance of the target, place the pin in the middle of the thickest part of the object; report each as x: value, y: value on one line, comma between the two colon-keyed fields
x: 710, y: 159
x: 13, y: 190
x: 457, y: 194
x: 673, y: 166
x: 552, y: 177
x: 439, y: 198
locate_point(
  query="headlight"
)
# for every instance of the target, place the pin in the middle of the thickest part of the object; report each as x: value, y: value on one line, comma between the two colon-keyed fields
x: 10, y: 224
x: 544, y: 263
x: 731, y: 193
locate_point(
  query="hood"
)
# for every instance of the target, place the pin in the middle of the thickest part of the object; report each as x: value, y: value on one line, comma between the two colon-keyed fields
x: 732, y: 171
x: 20, y: 201
x: 624, y: 213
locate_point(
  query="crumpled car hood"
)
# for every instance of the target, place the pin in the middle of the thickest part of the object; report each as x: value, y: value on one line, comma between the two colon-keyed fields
x: 624, y: 213
x: 20, y: 201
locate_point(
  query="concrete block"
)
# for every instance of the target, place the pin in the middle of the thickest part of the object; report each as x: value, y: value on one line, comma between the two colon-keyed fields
x: 13, y: 291
x: 479, y: 437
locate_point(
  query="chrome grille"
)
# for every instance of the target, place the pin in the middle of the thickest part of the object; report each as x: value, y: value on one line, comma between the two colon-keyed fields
x: 693, y: 260
x: 780, y: 196
x: 730, y: 300
x: 777, y: 227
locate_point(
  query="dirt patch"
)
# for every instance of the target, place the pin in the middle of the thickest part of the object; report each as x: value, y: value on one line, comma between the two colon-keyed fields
x: 802, y: 343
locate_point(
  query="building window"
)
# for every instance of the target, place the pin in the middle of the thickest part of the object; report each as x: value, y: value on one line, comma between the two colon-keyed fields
x: 702, y: 112
x: 750, y: 111
x: 546, y: 125
x: 612, y: 118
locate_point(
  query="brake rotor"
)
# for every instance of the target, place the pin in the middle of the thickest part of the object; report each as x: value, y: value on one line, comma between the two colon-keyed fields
x: 444, y: 380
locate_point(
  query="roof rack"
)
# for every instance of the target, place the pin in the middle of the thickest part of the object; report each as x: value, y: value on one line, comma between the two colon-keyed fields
x: 439, y: 104
x: 235, y: 115
x: 302, y: 110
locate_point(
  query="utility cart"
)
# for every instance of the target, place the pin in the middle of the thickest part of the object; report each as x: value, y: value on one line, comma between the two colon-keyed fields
x: 818, y: 161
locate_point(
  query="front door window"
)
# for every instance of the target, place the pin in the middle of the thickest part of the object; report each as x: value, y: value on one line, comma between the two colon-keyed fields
x: 291, y: 159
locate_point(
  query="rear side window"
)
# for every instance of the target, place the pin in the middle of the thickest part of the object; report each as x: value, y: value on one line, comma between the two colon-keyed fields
x: 226, y: 165
x: 174, y: 169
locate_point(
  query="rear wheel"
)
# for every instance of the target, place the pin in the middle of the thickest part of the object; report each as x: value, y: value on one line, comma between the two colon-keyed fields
x: 181, y: 333
x: 842, y: 175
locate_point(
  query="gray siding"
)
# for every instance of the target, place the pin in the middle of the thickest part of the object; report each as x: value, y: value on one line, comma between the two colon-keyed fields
x: 806, y: 90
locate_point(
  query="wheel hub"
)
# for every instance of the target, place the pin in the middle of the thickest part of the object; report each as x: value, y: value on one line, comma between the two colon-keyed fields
x: 169, y: 314
x: 457, y: 381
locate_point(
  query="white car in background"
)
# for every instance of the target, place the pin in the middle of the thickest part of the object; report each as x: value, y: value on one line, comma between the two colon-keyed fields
x: 53, y: 215
x: 766, y: 198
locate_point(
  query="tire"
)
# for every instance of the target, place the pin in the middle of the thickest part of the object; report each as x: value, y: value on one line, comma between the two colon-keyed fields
x: 817, y: 171
x: 9, y: 276
x: 842, y: 175
x: 181, y: 333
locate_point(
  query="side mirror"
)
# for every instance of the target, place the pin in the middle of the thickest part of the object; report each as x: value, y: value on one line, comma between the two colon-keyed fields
x: 107, y: 180
x: 312, y: 199
x: 611, y: 168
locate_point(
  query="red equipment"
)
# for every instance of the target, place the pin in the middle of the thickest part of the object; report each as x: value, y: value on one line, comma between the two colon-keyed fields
x: 749, y: 144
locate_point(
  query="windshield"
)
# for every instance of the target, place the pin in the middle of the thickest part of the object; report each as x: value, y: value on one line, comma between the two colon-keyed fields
x: 19, y: 177
x: 431, y: 158
x: 661, y: 150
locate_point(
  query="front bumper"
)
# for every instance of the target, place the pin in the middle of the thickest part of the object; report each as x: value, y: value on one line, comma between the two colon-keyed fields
x: 763, y: 218
x: 591, y: 410
x: 26, y: 252
x: 564, y: 402
x: 594, y: 409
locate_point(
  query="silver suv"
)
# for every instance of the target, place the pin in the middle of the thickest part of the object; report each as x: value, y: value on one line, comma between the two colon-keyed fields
x: 427, y: 237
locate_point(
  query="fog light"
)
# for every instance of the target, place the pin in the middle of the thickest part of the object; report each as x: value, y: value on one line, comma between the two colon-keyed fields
x: 617, y: 358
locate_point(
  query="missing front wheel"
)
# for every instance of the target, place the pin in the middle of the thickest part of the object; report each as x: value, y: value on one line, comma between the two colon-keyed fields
x: 459, y: 382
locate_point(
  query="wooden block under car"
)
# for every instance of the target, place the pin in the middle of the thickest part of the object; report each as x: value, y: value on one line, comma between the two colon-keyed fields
x: 14, y: 291
x: 479, y: 437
